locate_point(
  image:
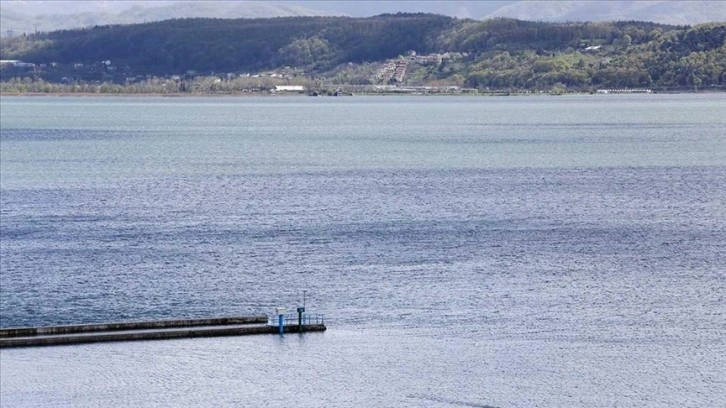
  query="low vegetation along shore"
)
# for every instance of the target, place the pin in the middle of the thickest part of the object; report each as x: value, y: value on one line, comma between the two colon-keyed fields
x: 298, y: 94
x: 387, y: 54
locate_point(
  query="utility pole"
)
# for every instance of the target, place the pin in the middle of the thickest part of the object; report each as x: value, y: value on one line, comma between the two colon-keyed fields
x: 300, y: 311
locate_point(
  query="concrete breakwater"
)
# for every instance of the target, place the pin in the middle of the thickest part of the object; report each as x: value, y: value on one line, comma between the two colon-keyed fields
x: 146, y: 330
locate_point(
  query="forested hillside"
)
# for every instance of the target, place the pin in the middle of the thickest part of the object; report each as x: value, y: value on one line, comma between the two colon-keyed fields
x: 241, y: 44
x: 495, y: 54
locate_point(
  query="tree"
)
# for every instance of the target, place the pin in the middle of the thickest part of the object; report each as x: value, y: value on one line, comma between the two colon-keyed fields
x: 625, y: 41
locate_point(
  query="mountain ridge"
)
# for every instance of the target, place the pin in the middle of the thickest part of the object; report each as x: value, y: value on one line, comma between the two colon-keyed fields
x: 18, y: 17
x: 666, y: 12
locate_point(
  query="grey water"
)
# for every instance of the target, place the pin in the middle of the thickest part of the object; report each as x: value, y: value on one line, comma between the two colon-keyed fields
x: 466, y: 251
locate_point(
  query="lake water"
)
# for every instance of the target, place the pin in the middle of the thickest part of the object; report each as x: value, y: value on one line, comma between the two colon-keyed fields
x: 485, y: 252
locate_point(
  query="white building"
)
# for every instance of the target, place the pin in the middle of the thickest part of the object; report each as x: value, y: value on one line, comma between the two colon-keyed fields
x: 289, y: 88
x: 17, y: 63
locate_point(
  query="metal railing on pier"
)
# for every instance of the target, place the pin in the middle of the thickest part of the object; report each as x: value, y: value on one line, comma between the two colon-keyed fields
x: 291, y: 319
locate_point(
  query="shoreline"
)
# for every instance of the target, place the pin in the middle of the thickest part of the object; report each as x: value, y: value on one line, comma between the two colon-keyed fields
x: 388, y: 94
x: 140, y: 95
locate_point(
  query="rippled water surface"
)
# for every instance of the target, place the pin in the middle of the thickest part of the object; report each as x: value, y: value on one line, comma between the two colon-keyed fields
x: 484, y: 252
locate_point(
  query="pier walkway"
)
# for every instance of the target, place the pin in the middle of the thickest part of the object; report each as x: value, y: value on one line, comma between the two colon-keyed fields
x: 151, y: 330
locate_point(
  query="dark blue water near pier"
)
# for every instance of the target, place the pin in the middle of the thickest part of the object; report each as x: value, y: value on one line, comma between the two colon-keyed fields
x: 467, y: 252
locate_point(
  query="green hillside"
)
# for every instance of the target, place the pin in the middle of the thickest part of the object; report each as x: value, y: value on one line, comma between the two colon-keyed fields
x: 500, y: 54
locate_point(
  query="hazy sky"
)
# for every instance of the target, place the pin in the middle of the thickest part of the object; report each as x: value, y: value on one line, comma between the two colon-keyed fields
x: 105, y: 11
x: 472, y: 9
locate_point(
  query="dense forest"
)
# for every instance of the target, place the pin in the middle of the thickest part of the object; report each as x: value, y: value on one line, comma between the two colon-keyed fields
x: 503, y: 54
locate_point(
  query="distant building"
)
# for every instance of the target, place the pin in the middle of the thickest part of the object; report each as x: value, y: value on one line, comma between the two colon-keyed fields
x: 400, y: 71
x: 16, y: 63
x: 624, y: 90
x: 431, y: 59
x: 289, y: 88
x: 393, y: 70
